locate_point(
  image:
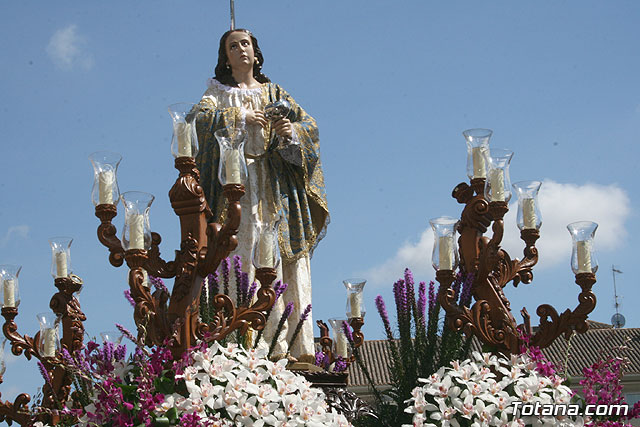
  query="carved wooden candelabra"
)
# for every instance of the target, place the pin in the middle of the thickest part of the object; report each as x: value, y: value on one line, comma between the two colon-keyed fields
x: 160, y: 316
x: 67, y: 307
x: 490, y: 318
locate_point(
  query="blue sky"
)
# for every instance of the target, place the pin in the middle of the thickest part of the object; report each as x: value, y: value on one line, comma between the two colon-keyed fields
x: 392, y: 86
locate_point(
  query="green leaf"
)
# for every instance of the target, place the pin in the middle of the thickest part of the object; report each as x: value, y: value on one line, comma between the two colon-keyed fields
x: 161, y: 422
x: 127, y: 388
x: 164, y: 385
x: 172, y: 414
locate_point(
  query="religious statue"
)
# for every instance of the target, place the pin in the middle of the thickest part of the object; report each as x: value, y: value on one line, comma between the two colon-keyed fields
x: 285, y: 175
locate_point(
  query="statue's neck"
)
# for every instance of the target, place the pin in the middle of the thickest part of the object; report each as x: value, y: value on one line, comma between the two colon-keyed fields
x: 245, y: 79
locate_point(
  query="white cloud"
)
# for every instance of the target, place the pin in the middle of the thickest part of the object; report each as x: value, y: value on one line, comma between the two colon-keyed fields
x: 66, y: 49
x: 560, y: 204
x: 416, y: 256
x: 17, y: 231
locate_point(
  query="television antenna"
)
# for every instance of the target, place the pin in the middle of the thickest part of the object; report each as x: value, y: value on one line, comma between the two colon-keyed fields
x: 617, y: 320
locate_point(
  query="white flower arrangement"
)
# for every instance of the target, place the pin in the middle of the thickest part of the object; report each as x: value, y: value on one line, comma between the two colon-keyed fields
x: 232, y: 386
x: 481, y: 391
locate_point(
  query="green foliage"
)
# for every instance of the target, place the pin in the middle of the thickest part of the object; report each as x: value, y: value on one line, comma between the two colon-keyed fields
x: 419, y: 345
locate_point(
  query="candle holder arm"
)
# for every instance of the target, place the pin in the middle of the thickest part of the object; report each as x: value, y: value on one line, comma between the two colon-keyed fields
x: 17, y: 411
x: 524, y: 267
x: 107, y: 233
x: 150, y: 310
x: 228, y: 318
x: 19, y: 344
x: 356, y: 324
x: 65, y: 305
x: 155, y: 265
x: 326, y: 342
x: 222, y: 239
x: 552, y: 324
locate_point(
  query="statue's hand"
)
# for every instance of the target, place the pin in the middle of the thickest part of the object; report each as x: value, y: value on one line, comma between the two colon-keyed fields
x: 283, y: 128
x: 256, y: 118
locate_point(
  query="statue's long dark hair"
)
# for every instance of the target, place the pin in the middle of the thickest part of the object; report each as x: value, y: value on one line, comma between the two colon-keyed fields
x: 223, y: 72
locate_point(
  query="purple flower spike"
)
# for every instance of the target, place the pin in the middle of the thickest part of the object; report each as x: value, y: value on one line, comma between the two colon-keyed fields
x: 305, y: 313
x: 382, y: 310
x: 281, y: 289
x: 422, y: 300
x: 213, y: 282
x: 456, y: 285
x: 467, y: 287
x: 252, y: 291
x: 127, y: 295
x: 226, y: 267
x: 244, y: 288
x: 400, y: 294
x: 237, y: 268
x: 158, y: 283
x: 347, y: 331
x: 126, y: 332
x: 340, y: 364
x: 44, y: 373
x: 410, y: 286
x: 432, y: 296
x: 288, y: 310
x: 321, y: 359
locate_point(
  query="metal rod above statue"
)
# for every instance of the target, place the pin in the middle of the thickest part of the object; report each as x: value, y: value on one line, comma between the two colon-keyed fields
x: 485, y: 202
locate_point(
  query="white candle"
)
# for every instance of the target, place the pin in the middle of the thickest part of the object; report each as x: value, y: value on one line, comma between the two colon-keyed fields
x: 9, y: 293
x: 479, y: 170
x: 584, y: 257
x: 136, y: 231
x: 183, y: 132
x: 232, y: 167
x: 529, y: 213
x: 496, y: 180
x: 49, y: 342
x: 61, y: 264
x: 265, y: 248
x: 355, y: 302
x: 105, y: 186
x: 341, y: 345
x: 445, y: 252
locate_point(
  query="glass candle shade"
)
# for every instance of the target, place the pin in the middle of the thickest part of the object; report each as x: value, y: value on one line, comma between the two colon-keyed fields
x: 105, y: 178
x: 266, y: 251
x: 136, y: 233
x: 49, y: 341
x: 232, y: 168
x: 60, y: 256
x: 477, y: 149
x: 583, y: 259
x: 10, y: 289
x: 497, y: 187
x: 355, y: 301
x: 113, y: 337
x: 184, y: 142
x: 529, y: 217
x: 340, y: 342
x: 445, y: 252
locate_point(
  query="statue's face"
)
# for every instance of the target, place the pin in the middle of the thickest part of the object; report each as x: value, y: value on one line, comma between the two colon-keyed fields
x: 239, y: 50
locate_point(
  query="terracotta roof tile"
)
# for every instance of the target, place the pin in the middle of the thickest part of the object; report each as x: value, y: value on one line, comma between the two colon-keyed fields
x: 585, y: 349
